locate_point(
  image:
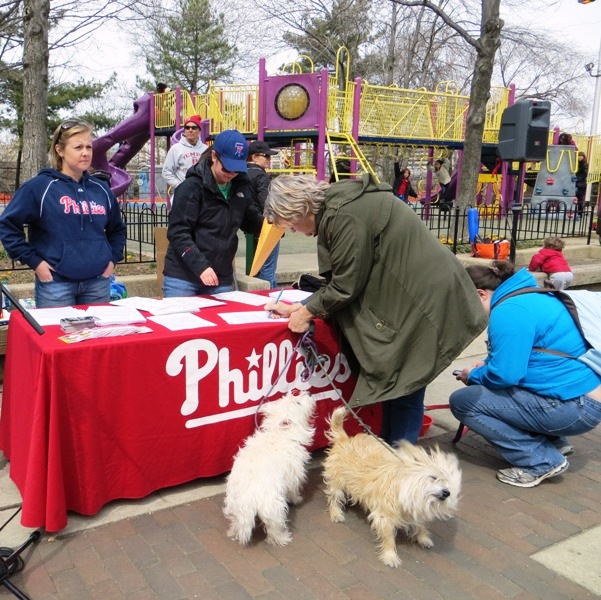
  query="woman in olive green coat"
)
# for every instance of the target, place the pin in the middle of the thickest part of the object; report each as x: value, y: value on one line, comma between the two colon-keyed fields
x: 403, y: 302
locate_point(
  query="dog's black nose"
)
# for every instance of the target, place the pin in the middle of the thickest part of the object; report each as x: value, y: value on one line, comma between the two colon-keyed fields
x: 444, y: 494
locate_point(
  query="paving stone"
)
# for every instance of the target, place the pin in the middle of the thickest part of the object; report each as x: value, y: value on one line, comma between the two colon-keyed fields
x: 485, y: 552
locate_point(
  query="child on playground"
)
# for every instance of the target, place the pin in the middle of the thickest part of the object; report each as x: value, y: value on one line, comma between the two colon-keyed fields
x: 402, y: 187
x: 551, y: 260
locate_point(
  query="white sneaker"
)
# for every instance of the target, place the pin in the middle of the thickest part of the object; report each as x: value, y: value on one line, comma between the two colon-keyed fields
x: 525, y: 478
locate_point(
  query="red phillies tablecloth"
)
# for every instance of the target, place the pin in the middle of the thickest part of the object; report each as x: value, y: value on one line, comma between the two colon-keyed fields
x: 86, y: 423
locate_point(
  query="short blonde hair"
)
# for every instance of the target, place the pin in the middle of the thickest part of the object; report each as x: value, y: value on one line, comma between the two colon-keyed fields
x: 292, y: 198
x: 554, y: 243
x: 60, y: 137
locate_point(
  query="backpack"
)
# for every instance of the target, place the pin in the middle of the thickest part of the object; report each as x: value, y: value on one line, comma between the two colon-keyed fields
x: 309, y: 283
x: 584, y: 307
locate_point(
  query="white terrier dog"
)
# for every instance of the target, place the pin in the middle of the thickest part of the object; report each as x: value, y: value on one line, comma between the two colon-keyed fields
x: 270, y: 469
x: 401, y: 488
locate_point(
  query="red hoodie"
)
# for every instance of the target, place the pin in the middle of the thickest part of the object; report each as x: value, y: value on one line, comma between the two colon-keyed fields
x: 550, y: 261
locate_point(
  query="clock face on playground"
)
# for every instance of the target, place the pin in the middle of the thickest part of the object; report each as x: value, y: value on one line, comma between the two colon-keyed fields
x: 292, y: 101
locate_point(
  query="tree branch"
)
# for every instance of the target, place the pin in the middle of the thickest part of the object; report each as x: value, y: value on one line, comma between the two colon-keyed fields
x: 445, y: 17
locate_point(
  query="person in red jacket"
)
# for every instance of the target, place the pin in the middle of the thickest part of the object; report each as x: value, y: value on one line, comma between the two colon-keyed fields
x: 551, y: 260
x: 402, y: 187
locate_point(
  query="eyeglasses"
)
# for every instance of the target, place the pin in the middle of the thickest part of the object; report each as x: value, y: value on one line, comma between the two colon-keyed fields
x: 226, y: 171
x: 263, y: 155
x: 191, y: 127
x: 73, y: 123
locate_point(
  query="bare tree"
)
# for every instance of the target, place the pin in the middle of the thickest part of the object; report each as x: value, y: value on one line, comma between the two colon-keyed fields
x: 81, y: 18
x: 318, y: 28
x: 11, y: 20
x: 413, y: 48
x: 35, y: 84
x: 486, y: 47
x: 546, y: 68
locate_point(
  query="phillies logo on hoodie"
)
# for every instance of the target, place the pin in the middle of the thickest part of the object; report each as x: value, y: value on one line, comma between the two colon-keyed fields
x: 84, y: 207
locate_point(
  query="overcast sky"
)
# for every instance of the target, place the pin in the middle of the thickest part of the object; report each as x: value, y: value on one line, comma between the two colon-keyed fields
x: 569, y: 21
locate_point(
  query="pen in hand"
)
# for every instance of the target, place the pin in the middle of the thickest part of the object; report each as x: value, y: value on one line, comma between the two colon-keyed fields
x: 277, y: 300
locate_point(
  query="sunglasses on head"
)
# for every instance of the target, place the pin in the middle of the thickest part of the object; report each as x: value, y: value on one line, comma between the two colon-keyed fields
x: 73, y: 123
x: 191, y: 127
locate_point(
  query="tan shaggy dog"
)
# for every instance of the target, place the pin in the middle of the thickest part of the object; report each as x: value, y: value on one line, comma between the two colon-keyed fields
x: 400, y: 488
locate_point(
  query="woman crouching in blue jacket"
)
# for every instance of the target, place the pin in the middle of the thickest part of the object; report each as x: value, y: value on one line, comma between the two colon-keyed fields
x: 522, y: 400
x: 76, y: 233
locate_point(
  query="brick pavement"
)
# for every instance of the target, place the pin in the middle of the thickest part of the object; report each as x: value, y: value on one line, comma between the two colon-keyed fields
x: 484, y: 553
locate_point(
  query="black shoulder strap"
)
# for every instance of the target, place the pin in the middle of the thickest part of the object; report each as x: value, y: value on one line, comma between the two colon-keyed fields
x: 565, y: 300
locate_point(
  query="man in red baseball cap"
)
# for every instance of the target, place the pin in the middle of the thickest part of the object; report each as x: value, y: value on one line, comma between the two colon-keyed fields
x: 184, y: 154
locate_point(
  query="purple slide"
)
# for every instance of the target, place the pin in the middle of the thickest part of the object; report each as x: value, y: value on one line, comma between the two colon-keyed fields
x: 132, y: 133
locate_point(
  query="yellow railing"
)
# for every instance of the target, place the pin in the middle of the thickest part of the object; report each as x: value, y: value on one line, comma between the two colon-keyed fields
x: 233, y: 107
x: 592, y: 149
x: 164, y: 109
x: 386, y: 112
x: 393, y: 112
x: 497, y: 103
x: 340, y: 106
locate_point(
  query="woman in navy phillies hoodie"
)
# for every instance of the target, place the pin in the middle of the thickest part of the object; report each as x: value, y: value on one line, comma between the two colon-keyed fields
x: 76, y: 233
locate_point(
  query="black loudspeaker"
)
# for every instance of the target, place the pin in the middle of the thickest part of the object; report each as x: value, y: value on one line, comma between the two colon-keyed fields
x: 524, y: 132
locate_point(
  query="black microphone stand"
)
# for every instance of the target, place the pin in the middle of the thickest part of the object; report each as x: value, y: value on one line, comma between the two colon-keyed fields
x: 10, y: 560
x: 26, y: 315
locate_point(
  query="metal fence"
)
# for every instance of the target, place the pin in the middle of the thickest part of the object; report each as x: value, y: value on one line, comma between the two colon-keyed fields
x: 449, y: 225
x: 140, y: 219
x: 520, y: 223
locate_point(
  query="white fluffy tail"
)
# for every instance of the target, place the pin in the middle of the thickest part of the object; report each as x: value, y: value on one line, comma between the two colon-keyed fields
x: 336, y: 422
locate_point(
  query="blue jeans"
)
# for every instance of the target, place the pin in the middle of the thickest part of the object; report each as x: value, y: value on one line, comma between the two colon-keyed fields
x: 63, y: 292
x: 522, y: 426
x: 402, y: 418
x: 267, y: 271
x: 173, y: 287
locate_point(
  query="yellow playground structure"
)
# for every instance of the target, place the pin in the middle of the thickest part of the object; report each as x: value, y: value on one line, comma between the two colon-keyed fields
x: 323, y: 124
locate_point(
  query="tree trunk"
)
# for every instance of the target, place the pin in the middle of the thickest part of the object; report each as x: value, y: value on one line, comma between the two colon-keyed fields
x: 489, y: 42
x: 35, y: 86
x: 392, y: 42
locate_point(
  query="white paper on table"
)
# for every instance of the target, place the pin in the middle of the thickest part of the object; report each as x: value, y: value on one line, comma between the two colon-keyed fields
x: 243, y: 298
x: 167, y: 306
x: 177, y: 322
x: 253, y: 316
x: 52, y: 316
x: 291, y: 295
x: 115, y: 315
